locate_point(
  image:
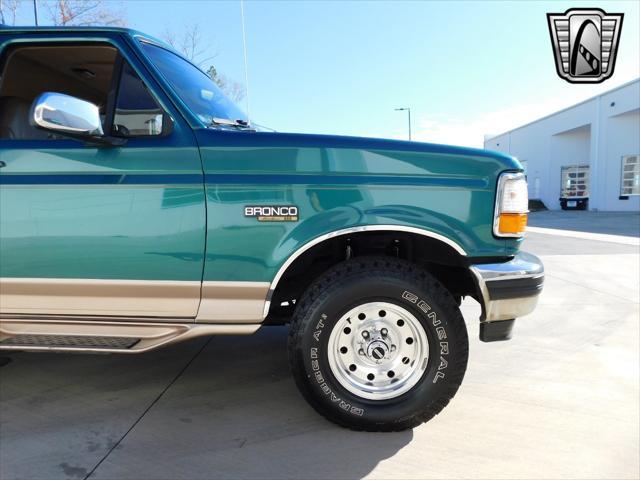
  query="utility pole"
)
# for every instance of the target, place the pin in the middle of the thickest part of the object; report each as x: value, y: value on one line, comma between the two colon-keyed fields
x: 35, y: 11
x: 409, y: 117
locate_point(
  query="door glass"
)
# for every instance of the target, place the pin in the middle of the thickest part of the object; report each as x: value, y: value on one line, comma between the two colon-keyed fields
x: 28, y: 70
x: 137, y: 113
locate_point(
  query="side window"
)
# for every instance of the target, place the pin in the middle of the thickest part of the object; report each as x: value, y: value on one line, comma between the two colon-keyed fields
x: 28, y: 70
x: 136, y: 113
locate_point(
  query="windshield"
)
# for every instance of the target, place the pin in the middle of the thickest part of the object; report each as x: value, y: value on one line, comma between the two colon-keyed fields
x: 203, y: 97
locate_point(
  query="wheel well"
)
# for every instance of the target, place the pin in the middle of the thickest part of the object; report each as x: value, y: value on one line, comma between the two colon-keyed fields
x: 440, y: 259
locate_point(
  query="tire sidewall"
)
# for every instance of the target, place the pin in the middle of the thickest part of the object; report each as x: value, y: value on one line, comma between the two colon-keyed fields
x: 324, y: 313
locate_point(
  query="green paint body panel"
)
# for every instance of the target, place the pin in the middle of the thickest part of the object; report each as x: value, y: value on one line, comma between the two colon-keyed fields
x: 109, y: 231
x: 172, y: 208
x: 337, y: 183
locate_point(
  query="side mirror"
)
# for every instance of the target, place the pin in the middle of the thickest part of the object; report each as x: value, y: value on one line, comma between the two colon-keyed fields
x: 71, y: 117
x: 66, y: 115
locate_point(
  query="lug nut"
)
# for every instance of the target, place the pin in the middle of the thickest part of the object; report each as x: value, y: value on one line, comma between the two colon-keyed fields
x: 361, y: 352
x: 365, y: 334
x: 384, y: 332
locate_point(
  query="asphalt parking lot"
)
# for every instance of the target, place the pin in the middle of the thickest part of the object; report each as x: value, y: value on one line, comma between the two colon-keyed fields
x: 560, y: 400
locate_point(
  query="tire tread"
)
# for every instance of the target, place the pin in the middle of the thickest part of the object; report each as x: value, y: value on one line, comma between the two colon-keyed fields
x: 380, y: 266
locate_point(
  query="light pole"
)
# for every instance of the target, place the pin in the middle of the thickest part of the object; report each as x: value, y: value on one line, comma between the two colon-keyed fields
x: 409, y: 115
x: 35, y: 11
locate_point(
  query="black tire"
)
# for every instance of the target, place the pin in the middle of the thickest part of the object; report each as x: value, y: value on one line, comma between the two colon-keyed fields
x: 369, y: 279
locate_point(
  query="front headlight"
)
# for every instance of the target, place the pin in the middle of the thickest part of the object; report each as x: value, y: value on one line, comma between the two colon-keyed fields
x: 512, y: 206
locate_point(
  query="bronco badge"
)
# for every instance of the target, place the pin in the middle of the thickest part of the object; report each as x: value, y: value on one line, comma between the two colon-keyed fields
x: 272, y: 213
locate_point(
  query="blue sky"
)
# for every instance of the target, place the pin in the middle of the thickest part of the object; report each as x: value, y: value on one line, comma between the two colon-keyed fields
x: 464, y: 68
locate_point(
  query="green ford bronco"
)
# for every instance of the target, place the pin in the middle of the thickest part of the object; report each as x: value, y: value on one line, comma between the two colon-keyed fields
x: 139, y: 208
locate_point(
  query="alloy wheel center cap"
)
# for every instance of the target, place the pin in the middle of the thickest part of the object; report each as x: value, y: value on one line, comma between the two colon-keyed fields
x: 377, y: 350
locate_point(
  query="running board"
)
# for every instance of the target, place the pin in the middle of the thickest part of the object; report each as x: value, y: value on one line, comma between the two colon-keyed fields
x: 26, y: 340
x: 63, y: 335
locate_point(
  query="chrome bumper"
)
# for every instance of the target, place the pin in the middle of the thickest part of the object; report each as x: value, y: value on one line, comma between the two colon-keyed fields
x: 509, y: 290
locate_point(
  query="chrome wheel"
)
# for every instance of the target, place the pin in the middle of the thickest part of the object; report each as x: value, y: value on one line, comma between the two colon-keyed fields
x: 378, y: 350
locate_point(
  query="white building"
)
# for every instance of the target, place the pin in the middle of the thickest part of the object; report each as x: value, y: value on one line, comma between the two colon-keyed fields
x: 590, y: 150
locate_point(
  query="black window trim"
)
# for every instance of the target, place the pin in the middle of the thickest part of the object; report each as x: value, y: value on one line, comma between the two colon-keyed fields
x: 116, y: 82
x: 112, y: 95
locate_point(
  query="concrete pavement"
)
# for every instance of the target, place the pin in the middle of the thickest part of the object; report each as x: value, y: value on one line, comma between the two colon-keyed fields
x: 560, y: 400
x: 615, y: 223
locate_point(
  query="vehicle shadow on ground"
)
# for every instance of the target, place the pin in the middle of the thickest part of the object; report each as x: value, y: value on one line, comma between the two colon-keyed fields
x: 234, y: 412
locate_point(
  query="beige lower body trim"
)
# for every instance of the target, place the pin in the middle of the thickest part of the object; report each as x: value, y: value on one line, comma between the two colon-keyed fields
x: 137, y: 298
x: 232, y: 302
x: 151, y: 335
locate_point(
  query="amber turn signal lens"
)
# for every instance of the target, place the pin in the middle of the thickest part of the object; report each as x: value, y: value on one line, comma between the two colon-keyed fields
x: 514, y: 223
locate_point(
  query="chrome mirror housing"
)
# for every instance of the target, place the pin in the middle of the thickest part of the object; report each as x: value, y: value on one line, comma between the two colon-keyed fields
x: 66, y: 115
